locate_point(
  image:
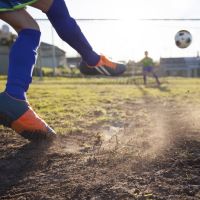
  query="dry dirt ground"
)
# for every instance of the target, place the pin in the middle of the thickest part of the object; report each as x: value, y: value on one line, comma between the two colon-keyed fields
x: 154, y: 154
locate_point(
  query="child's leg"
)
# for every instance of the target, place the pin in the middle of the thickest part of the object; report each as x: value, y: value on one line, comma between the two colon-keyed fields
x: 156, y: 77
x: 15, y: 112
x: 68, y: 30
x: 21, y: 62
x: 145, y: 77
x: 23, y: 52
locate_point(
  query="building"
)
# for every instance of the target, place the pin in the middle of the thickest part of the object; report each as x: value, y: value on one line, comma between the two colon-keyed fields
x: 6, y: 40
x: 50, y: 56
x: 73, y: 62
x: 45, y: 57
x: 182, y: 66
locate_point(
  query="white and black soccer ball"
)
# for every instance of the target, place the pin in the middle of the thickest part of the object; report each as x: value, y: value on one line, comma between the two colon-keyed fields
x: 183, y: 39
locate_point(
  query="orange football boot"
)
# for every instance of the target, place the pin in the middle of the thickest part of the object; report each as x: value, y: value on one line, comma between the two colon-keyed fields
x: 18, y: 115
x: 104, y: 67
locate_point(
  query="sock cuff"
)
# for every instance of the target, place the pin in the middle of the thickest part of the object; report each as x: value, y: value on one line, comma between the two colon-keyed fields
x: 50, y: 8
x: 32, y: 33
x: 55, y: 6
x: 16, y: 92
x: 57, y: 10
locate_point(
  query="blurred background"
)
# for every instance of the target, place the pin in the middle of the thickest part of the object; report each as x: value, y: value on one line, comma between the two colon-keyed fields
x: 125, y: 30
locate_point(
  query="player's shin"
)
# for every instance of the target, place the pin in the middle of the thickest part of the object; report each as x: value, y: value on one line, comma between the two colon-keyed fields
x: 70, y: 32
x: 21, y: 62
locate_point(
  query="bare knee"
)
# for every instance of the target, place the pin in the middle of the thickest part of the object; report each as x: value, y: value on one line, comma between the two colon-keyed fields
x: 27, y: 24
x: 19, y: 20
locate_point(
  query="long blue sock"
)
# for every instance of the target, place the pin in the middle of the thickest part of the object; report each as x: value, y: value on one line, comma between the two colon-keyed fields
x: 69, y: 31
x: 21, y: 63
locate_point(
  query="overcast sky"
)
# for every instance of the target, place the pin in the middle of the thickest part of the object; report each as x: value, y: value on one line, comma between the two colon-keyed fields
x: 128, y: 38
x: 135, y: 8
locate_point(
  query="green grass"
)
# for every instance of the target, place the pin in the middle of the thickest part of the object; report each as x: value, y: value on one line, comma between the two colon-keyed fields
x: 70, y: 105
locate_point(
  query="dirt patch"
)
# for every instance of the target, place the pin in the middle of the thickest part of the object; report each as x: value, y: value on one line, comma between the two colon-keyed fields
x: 153, y: 154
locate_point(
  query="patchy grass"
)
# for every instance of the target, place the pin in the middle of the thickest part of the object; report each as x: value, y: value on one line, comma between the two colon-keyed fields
x: 128, y: 141
x: 71, y: 105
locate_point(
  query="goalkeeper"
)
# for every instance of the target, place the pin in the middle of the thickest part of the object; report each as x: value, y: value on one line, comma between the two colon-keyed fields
x: 147, y: 68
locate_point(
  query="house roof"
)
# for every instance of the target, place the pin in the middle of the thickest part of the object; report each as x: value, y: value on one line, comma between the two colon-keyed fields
x: 47, y: 48
x: 181, y: 62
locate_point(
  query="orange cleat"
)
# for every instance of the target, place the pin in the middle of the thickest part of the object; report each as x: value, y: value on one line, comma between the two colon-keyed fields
x: 19, y: 116
x: 103, y: 67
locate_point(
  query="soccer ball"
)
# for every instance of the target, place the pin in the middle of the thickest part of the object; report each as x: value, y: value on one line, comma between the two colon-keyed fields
x: 183, y: 39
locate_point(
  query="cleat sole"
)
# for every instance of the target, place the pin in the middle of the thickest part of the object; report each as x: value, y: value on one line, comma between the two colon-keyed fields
x: 38, y: 135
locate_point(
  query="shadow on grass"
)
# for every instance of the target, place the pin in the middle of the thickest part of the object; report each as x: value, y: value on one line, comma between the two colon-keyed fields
x: 15, y: 166
x: 138, y: 83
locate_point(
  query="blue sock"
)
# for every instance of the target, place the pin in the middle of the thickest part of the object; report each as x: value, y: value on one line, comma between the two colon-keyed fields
x: 21, y: 63
x: 69, y: 31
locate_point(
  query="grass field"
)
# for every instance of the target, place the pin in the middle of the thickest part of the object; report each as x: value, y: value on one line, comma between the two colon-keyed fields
x: 74, y: 104
x: 119, y: 139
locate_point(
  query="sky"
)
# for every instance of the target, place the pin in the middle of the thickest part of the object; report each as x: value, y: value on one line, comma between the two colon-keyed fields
x: 128, y: 37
